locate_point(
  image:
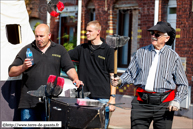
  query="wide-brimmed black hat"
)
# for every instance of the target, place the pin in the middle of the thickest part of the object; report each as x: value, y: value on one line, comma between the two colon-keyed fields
x: 165, y: 27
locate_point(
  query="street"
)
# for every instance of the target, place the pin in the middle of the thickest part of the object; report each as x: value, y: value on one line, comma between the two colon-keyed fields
x: 120, y: 119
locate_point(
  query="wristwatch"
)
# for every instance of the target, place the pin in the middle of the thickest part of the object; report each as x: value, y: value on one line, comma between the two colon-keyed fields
x: 113, y: 95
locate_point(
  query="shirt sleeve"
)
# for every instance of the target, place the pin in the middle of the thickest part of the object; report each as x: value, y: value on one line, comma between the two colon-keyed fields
x: 75, y: 53
x: 19, y: 59
x: 181, y: 81
x: 131, y: 73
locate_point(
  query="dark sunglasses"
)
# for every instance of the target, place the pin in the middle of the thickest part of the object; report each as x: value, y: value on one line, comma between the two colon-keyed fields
x: 156, y: 34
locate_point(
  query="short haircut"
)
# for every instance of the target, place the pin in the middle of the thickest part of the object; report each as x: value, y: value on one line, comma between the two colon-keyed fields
x: 96, y: 24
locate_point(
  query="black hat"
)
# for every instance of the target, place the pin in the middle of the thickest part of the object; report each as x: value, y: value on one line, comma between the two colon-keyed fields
x: 165, y: 27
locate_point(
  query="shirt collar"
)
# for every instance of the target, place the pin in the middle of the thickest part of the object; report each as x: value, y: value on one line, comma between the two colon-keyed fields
x: 34, y: 43
x: 102, y: 45
x: 52, y: 43
x: 161, y: 51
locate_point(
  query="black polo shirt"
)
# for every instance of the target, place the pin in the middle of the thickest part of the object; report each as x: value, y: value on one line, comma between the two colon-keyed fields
x: 49, y: 63
x: 94, y: 68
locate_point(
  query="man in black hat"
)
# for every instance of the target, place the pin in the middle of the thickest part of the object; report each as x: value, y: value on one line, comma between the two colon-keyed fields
x: 156, y: 70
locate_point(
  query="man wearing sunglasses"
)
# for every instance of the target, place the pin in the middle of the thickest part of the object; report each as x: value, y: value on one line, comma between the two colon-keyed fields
x: 156, y: 71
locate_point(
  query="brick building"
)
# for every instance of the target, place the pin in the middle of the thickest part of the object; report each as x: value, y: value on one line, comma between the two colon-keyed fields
x: 132, y: 18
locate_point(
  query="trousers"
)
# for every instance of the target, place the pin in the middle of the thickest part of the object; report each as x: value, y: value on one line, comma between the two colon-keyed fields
x: 33, y: 114
x: 142, y: 114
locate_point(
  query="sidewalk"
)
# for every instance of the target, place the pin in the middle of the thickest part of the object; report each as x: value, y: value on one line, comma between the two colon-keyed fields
x: 120, y: 119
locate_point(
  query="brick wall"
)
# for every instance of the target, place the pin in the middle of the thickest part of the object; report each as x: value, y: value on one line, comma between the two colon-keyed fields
x: 101, y: 14
x: 146, y: 16
x: 38, y: 9
x: 43, y: 10
x: 108, y: 20
x: 107, y: 16
x: 85, y: 19
x: 163, y: 10
x: 184, y: 44
x: 34, y: 7
x: 146, y: 20
x: 54, y: 27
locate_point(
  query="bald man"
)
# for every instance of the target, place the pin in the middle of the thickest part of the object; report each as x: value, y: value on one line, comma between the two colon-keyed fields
x: 49, y: 58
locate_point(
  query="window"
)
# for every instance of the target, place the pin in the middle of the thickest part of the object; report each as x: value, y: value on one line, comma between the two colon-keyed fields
x: 14, y: 33
x: 34, y: 21
x: 171, y: 18
x: 92, y: 14
x: 68, y: 23
x: 172, y: 10
x: 91, y: 9
x: 124, y: 29
x: 68, y: 27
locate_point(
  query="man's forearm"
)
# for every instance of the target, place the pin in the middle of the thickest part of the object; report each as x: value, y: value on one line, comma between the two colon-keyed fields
x: 112, y: 97
x: 72, y: 74
x: 16, y: 71
x: 113, y: 89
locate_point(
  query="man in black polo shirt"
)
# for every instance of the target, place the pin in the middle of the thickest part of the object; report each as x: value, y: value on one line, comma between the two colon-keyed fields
x: 96, y: 66
x: 49, y: 58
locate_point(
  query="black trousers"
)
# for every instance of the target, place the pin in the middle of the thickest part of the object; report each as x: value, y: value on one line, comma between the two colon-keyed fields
x: 143, y: 114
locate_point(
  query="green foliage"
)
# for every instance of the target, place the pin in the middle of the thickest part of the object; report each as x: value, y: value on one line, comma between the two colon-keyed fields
x: 37, y: 23
x: 70, y: 44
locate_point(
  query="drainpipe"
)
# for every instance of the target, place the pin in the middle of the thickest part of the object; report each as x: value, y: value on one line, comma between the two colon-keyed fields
x: 48, y: 15
x: 59, y: 31
x: 79, y: 22
x: 156, y: 13
x: 48, y: 19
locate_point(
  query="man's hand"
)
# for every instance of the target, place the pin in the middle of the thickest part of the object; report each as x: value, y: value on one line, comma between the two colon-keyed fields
x: 72, y: 74
x: 111, y: 107
x: 78, y: 83
x: 17, y: 70
x: 27, y: 63
x: 174, y: 106
x: 115, y: 81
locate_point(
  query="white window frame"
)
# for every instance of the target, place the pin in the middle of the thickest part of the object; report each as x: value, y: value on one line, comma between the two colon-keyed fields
x: 172, y: 17
x: 119, y: 69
